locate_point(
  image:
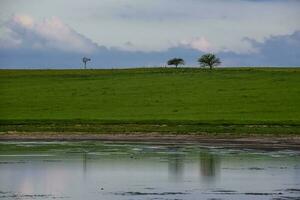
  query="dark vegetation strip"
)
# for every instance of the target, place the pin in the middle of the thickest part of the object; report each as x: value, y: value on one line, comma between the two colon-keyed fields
x: 174, y: 128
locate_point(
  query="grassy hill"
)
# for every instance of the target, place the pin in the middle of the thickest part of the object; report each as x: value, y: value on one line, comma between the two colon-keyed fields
x: 240, y: 100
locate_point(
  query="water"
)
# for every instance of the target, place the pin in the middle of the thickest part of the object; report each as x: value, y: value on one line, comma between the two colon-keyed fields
x: 109, y: 171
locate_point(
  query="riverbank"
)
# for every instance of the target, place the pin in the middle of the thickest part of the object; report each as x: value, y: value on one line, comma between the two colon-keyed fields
x: 211, y: 128
x: 267, y: 142
x: 185, y: 102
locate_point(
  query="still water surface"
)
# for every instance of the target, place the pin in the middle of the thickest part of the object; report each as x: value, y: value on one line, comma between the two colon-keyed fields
x: 119, y: 171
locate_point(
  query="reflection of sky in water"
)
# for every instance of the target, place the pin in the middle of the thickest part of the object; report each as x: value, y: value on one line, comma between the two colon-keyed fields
x: 136, y: 171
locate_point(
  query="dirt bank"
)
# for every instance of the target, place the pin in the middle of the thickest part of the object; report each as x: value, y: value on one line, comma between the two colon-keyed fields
x: 257, y: 142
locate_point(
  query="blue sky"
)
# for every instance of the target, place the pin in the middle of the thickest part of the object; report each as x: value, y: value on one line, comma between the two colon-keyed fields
x: 131, y: 33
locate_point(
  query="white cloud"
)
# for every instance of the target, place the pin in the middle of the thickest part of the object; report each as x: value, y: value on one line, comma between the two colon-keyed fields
x: 156, y: 25
x: 198, y: 43
x: 23, y: 20
x: 22, y: 31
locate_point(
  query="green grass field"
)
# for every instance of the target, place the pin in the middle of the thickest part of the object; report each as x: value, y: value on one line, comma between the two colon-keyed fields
x: 240, y: 100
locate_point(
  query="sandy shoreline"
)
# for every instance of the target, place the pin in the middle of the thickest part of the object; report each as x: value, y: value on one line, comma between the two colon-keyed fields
x: 257, y: 142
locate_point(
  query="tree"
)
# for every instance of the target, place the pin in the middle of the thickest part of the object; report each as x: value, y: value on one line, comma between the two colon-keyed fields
x: 176, y: 62
x: 85, y: 60
x: 209, y: 60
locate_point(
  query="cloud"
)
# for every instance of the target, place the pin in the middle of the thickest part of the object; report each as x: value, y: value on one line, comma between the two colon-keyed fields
x: 282, y: 50
x: 52, y: 44
x: 198, y: 43
x: 153, y: 25
x: 22, y: 31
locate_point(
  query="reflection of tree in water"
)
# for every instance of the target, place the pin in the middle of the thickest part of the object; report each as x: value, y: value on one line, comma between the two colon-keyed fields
x: 209, y: 165
x: 176, y: 164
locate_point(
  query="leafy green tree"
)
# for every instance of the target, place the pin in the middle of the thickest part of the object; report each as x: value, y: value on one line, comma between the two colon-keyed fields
x: 209, y: 60
x: 176, y: 62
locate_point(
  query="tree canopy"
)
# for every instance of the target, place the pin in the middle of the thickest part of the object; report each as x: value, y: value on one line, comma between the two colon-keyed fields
x: 176, y: 61
x: 209, y: 60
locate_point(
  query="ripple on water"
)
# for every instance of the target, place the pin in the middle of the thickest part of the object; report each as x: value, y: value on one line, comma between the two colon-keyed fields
x: 149, y: 193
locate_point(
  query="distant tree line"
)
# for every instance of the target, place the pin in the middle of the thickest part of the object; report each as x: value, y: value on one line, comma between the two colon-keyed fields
x: 207, y: 60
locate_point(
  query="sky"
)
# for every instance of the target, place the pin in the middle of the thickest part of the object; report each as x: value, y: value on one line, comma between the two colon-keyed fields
x: 144, y: 33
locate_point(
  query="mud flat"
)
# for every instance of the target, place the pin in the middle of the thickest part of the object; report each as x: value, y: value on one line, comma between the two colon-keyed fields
x: 256, y: 142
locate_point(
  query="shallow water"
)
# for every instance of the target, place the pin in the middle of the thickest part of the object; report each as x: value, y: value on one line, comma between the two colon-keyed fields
x: 109, y: 171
